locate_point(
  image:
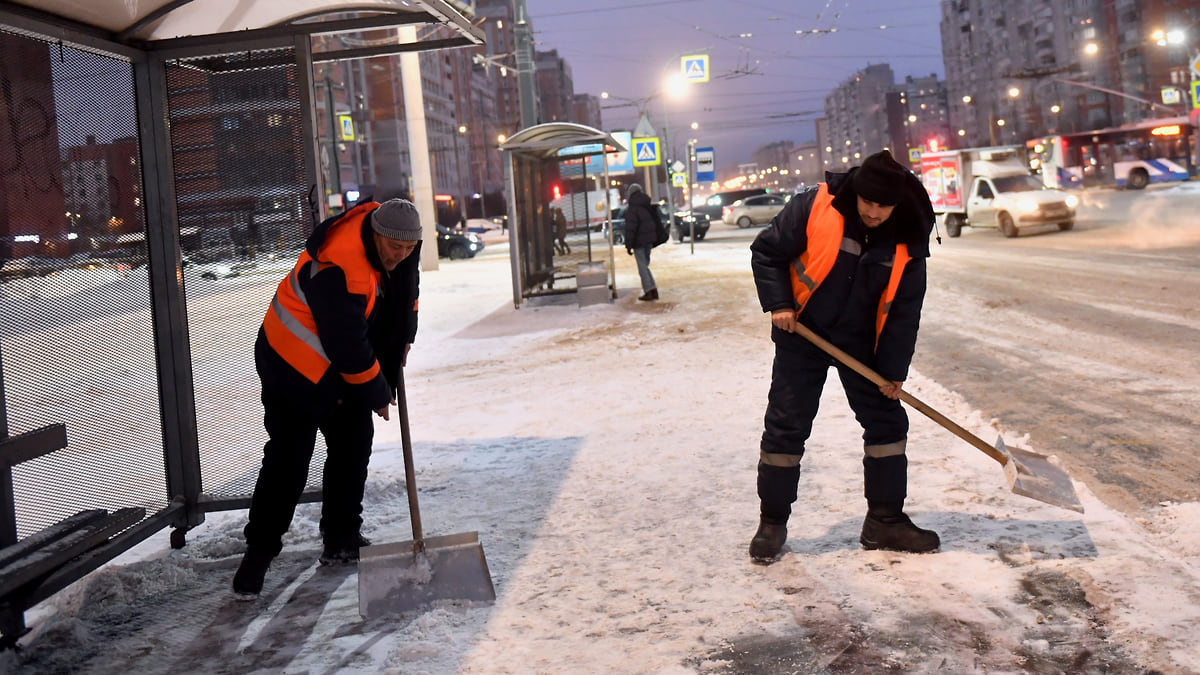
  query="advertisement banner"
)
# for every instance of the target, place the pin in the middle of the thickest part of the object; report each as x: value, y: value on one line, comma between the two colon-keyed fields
x: 940, y: 175
x: 619, y: 163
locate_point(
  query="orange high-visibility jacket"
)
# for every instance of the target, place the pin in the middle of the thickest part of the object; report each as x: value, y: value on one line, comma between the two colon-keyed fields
x: 289, y: 324
x: 825, y: 238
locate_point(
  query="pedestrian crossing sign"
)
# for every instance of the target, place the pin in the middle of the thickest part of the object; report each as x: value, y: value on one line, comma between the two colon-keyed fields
x: 645, y: 152
x: 679, y: 180
x: 347, y: 124
x: 694, y: 68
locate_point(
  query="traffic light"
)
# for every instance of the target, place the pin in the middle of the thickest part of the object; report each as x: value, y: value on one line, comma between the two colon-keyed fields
x: 556, y: 191
x: 932, y: 144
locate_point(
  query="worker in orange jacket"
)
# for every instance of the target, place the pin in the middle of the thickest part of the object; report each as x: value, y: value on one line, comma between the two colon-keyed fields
x: 846, y: 259
x: 328, y: 354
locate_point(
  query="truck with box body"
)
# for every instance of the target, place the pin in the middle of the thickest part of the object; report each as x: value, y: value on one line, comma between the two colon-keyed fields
x: 1001, y: 191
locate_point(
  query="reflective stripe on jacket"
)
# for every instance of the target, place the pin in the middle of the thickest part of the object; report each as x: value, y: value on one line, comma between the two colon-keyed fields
x: 289, y: 324
x: 825, y: 231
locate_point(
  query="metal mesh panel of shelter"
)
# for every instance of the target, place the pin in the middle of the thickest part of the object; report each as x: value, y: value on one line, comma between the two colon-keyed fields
x: 241, y: 192
x: 76, y: 331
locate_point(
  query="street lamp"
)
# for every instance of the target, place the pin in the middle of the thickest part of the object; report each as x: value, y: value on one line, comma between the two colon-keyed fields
x: 462, y: 205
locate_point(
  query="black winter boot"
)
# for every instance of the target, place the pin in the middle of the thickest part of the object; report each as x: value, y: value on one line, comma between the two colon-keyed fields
x: 343, y: 550
x: 248, y: 580
x: 768, y: 541
x: 887, y: 527
x: 651, y: 294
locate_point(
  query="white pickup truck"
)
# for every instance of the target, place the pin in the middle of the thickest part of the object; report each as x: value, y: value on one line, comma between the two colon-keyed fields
x: 1001, y: 191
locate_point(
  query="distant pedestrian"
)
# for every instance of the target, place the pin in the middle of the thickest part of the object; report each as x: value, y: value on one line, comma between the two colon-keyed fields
x: 641, y: 232
x: 560, y: 231
x: 328, y: 354
x: 846, y: 259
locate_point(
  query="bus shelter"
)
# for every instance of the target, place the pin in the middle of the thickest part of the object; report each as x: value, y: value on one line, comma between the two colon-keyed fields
x: 160, y: 167
x: 560, y: 239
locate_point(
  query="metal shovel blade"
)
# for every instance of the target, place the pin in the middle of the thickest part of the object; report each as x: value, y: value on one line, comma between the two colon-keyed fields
x: 1038, y: 477
x: 395, y: 578
x: 1029, y: 474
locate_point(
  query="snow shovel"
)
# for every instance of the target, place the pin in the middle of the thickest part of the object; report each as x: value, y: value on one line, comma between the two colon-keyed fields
x: 1029, y: 474
x: 394, y: 578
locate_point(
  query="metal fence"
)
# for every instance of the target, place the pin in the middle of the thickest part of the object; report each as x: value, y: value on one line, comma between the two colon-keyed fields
x: 76, y: 333
x: 236, y: 148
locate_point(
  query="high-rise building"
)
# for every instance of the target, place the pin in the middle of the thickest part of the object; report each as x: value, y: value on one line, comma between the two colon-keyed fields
x: 1023, y: 68
x: 556, y: 89
x: 856, y: 116
x: 586, y: 110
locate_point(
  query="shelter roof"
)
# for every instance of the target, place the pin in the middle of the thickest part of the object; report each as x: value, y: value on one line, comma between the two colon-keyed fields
x: 135, y: 22
x: 545, y: 140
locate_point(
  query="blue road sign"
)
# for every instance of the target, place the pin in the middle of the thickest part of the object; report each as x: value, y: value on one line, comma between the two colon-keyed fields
x: 645, y: 152
x: 694, y: 68
x: 705, y: 173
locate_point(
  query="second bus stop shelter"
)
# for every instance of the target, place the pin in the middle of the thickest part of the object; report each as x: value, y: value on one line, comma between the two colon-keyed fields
x: 533, y: 158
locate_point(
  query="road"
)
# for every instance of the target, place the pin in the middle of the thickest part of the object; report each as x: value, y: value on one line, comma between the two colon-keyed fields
x: 1086, y: 340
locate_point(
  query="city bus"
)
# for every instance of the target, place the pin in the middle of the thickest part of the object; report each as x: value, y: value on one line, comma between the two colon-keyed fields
x: 1130, y: 156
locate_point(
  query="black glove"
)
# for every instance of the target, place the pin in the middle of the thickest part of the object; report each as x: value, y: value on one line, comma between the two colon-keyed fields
x: 629, y: 250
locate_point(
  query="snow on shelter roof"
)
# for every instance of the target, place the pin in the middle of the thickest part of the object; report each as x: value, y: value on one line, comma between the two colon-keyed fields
x: 545, y: 140
x: 137, y: 22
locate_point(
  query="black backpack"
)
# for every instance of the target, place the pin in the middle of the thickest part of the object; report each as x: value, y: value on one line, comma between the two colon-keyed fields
x: 661, y: 234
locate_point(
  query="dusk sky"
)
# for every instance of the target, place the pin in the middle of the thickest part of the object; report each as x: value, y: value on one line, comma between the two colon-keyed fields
x: 769, y: 82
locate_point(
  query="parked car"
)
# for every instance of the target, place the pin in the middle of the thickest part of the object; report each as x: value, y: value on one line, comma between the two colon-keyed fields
x: 753, y: 210
x: 714, y: 206
x: 457, y: 244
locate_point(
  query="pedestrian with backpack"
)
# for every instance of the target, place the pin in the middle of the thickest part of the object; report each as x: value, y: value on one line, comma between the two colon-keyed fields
x: 642, y: 224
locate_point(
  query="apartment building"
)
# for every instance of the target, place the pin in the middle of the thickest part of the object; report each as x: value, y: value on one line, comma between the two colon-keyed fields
x: 1022, y: 68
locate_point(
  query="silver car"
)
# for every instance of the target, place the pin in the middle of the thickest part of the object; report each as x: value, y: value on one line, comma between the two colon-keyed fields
x: 754, y: 210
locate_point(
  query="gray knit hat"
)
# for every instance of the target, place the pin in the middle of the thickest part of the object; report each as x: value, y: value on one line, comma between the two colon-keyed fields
x: 397, y: 219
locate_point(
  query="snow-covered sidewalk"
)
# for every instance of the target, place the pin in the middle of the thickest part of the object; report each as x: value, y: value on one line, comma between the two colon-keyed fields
x: 606, y: 456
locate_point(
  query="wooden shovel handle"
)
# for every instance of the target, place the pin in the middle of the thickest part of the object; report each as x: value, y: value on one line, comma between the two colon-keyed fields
x: 861, y: 368
x: 410, y: 473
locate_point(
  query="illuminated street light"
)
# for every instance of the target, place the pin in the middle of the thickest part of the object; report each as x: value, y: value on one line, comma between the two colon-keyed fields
x: 1014, y: 92
x: 1055, y: 109
x: 675, y: 85
x: 967, y: 98
x: 1091, y: 49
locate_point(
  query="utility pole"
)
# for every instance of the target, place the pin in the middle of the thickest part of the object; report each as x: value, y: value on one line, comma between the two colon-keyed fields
x: 335, y: 161
x: 525, y: 65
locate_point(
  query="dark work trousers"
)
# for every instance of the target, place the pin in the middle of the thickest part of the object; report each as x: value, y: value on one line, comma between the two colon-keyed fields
x: 797, y: 378
x: 348, y: 431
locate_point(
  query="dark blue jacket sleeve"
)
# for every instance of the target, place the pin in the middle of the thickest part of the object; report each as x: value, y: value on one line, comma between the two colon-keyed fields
x: 343, y: 330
